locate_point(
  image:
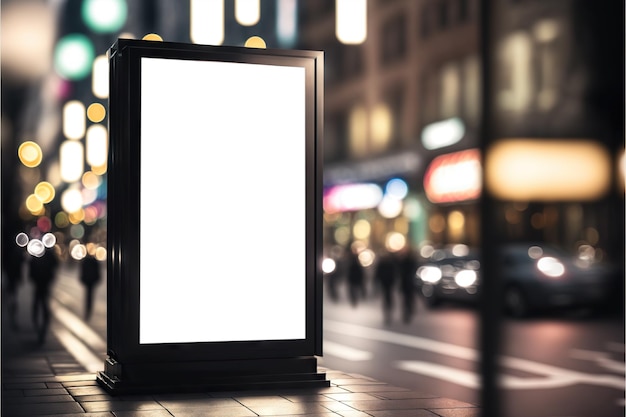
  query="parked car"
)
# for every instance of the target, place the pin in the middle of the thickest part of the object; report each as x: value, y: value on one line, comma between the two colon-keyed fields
x: 538, y: 277
x: 449, y: 275
x: 534, y: 277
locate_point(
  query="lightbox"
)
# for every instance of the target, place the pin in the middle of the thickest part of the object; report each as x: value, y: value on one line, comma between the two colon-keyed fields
x: 214, y: 216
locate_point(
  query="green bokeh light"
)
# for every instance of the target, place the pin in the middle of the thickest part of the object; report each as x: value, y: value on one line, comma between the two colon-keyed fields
x: 104, y: 16
x: 73, y: 56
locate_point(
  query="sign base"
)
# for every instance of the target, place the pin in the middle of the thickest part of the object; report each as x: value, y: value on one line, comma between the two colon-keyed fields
x: 228, y: 375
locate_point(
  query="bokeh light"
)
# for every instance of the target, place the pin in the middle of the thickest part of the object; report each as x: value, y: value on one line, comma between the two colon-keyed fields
x: 104, y: 16
x: 152, y: 37
x: 96, y: 112
x: 71, y: 200
x: 49, y: 240
x: 30, y: 154
x: 255, y: 42
x: 33, y: 204
x: 73, y: 56
x: 36, y: 248
x: 45, y: 192
x: 74, y: 122
x: 21, y: 239
x: 247, y: 12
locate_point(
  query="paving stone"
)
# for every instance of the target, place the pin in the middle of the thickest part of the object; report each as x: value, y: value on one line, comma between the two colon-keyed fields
x: 40, y: 409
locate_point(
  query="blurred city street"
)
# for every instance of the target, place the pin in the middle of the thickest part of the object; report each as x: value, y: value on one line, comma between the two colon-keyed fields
x: 577, y: 355
x: 434, y: 189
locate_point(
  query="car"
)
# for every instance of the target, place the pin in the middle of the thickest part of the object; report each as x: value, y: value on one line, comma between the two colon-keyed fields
x: 533, y: 278
x: 539, y: 277
x: 450, y: 274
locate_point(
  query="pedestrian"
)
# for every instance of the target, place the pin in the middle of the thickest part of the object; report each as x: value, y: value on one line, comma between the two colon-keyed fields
x: 12, y: 260
x: 90, y: 276
x: 42, y: 271
x: 386, y: 271
x: 356, y: 279
x: 408, y: 267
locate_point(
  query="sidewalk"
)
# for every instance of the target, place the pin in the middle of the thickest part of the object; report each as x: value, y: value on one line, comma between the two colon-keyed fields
x: 47, y: 381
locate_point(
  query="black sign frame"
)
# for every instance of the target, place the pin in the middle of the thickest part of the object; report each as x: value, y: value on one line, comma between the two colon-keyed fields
x: 128, y: 358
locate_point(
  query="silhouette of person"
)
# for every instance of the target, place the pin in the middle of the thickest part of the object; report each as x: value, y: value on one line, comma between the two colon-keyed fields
x: 12, y: 259
x: 386, y: 277
x: 90, y: 277
x: 356, y: 279
x: 408, y: 266
x: 42, y: 273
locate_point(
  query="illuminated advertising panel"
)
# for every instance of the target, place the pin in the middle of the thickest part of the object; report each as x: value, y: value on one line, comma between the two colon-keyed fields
x: 227, y: 275
x: 214, y: 214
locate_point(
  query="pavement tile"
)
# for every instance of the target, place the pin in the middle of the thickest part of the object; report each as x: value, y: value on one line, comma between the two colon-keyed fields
x: 80, y: 391
x: 337, y: 406
x: 399, y: 395
x: 353, y: 413
x: 354, y: 381
x: 54, y: 385
x: 39, y: 399
x: 289, y: 409
x: 352, y: 396
x: 40, y: 409
x: 404, y: 413
x: 80, y: 383
x: 374, y: 388
x: 12, y: 393
x: 240, y: 411
x: 199, y: 403
x: 459, y: 412
x: 407, y: 404
x: 310, y: 398
x: 121, y: 406
x: 47, y: 391
x: 31, y: 385
x: 143, y: 413
x: 261, y: 401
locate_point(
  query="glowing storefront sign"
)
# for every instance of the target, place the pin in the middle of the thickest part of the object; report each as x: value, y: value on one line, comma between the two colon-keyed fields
x: 454, y: 177
x: 548, y: 170
x: 352, y: 197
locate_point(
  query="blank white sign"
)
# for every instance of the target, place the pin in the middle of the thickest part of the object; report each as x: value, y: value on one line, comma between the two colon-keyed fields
x: 222, y: 202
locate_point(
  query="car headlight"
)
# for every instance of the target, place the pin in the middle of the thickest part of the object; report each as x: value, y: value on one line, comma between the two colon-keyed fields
x: 550, y: 266
x: 430, y: 274
x: 465, y: 278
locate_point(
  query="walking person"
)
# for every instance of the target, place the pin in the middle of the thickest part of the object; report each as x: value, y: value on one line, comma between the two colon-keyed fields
x: 90, y: 276
x: 408, y: 266
x: 356, y: 279
x: 386, y: 277
x: 42, y: 271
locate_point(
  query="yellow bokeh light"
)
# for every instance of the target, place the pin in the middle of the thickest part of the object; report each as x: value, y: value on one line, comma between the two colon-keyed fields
x: 548, y: 170
x: 99, y: 170
x: 96, y: 112
x: 77, y: 216
x: 90, y: 180
x: 361, y: 229
x: 34, y: 204
x: 101, y: 253
x: 152, y: 37
x: 30, y: 154
x: 255, y: 42
x: 45, y: 192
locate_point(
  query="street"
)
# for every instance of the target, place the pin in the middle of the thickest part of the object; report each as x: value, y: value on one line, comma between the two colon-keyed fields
x: 556, y: 366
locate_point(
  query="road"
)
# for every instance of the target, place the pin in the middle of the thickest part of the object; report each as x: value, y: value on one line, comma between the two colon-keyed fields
x: 568, y: 366
x: 560, y: 365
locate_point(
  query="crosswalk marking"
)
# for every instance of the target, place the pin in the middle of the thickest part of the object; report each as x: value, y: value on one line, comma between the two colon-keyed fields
x: 346, y: 352
x: 547, y: 376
